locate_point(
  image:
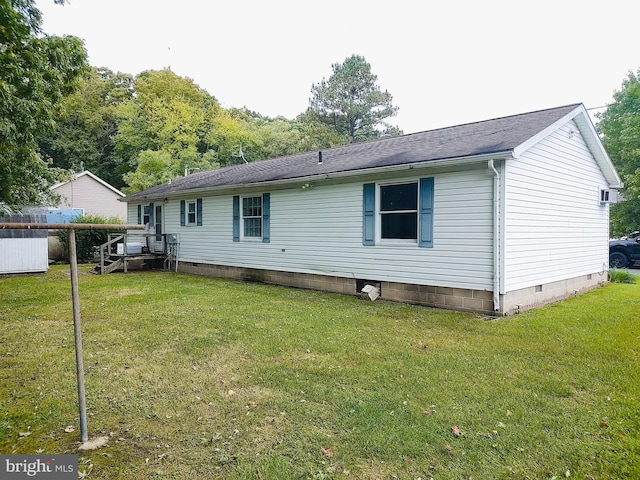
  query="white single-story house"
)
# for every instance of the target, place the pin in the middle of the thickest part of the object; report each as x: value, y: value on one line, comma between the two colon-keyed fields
x: 496, y: 216
x: 92, y: 194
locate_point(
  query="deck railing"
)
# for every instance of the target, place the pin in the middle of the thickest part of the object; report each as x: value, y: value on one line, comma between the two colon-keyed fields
x: 114, y: 238
x: 148, y: 247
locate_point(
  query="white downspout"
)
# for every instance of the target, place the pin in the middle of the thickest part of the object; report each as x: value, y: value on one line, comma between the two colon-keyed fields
x: 497, y: 254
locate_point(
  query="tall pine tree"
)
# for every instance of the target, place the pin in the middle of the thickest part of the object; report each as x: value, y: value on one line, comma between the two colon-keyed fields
x: 352, y: 104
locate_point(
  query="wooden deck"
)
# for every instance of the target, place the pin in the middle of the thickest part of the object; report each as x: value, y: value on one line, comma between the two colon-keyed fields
x: 113, y: 259
x: 115, y: 262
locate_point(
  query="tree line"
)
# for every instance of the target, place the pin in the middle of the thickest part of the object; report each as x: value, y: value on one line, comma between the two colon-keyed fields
x: 136, y: 132
x: 59, y: 115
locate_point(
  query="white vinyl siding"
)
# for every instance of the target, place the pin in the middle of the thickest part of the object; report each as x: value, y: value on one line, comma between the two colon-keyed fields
x: 24, y: 255
x: 94, y: 197
x: 553, y: 224
x: 556, y: 227
x: 319, y: 230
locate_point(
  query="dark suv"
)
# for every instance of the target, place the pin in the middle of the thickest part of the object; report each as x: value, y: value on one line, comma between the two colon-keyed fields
x: 625, y: 251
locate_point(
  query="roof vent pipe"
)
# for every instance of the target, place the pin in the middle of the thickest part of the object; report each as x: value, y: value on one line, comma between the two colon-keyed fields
x: 320, y: 157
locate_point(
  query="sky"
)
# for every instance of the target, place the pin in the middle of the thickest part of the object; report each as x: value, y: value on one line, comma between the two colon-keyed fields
x: 445, y: 62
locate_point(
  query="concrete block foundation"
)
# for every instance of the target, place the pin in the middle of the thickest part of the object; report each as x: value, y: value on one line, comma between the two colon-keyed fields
x: 478, y: 301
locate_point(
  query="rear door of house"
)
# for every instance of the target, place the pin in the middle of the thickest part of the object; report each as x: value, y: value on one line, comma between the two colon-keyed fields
x: 157, y: 242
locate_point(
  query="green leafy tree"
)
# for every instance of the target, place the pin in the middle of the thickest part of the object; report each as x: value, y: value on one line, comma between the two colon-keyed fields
x: 229, y: 139
x: 84, y: 131
x: 279, y: 137
x: 316, y: 135
x: 173, y: 117
x: 36, y: 71
x: 264, y: 137
x: 157, y: 166
x: 619, y: 126
x: 167, y: 113
x: 154, y: 167
x: 351, y: 103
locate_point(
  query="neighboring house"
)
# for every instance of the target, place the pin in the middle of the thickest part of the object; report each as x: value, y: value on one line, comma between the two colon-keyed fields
x: 92, y: 194
x: 496, y: 216
x: 23, y: 251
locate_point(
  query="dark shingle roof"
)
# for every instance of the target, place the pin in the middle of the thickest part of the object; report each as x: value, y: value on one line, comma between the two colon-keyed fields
x: 486, y: 137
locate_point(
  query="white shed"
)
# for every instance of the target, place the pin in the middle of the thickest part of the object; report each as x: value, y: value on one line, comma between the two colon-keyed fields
x: 23, y: 251
x: 495, y: 216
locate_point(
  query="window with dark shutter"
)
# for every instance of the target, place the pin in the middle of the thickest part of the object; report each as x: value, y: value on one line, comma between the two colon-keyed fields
x: 399, y: 211
x: 404, y: 212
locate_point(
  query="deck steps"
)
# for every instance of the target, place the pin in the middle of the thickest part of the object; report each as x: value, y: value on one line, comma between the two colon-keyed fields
x: 113, y: 256
x: 111, y: 264
x: 120, y: 262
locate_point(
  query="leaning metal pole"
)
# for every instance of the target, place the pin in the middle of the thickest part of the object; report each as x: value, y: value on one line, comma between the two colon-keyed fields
x: 75, y: 296
x: 77, y: 331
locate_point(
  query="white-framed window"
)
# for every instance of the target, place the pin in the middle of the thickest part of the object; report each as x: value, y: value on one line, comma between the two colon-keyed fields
x: 191, y: 212
x: 146, y: 214
x: 252, y: 217
x: 398, y: 211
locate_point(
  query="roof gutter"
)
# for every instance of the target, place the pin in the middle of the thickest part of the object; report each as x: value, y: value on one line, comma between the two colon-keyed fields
x: 440, y: 163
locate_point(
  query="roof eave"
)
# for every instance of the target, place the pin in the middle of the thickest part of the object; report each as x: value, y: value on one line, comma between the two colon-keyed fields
x: 94, y: 177
x: 592, y: 139
x: 588, y: 131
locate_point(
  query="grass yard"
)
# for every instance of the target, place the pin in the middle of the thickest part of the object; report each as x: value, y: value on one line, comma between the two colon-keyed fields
x: 193, y: 377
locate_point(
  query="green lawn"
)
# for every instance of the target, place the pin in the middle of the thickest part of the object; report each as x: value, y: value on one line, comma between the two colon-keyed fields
x: 193, y: 377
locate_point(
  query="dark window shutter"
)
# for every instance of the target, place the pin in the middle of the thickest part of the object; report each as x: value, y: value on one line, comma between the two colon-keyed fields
x: 139, y: 214
x: 151, y: 222
x: 236, y: 218
x: 426, y: 213
x: 199, y: 212
x: 182, y: 212
x: 266, y: 216
x: 369, y: 214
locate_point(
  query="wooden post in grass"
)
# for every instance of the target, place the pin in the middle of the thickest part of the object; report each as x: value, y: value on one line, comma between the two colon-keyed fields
x: 75, y: 297
x: 77, y: 335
